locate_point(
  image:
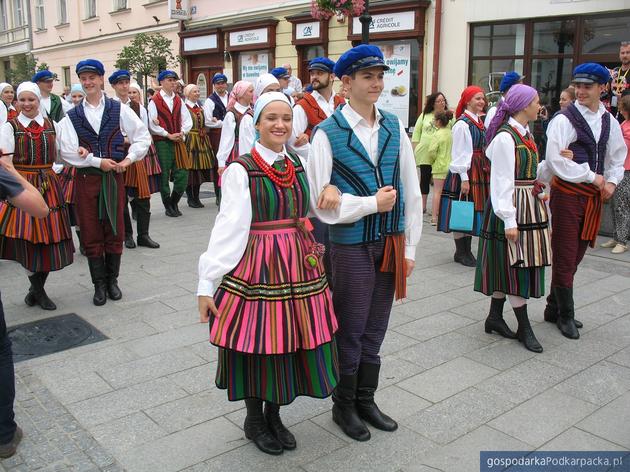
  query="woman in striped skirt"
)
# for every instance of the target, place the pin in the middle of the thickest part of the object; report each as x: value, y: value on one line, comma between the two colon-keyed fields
x: 514, y: 245
x: 198, y: 145
x: 40, y: 245
x: 272, y: 314
x: 469, y: 172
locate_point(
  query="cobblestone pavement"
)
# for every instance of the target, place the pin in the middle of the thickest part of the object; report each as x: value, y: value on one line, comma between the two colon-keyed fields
x: 144, y: 400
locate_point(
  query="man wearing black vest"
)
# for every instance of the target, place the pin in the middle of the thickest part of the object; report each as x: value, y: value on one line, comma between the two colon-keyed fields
x: 579, y: 186
x: 214, y: 109
x: 91, y: 139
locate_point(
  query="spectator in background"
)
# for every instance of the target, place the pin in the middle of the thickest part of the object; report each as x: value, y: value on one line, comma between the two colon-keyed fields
x: 150, y: 93
x: 567, y: 97
x: 293, y: 81
x: 620, y: 79
x: 76, y: 94
x: 440, y: 155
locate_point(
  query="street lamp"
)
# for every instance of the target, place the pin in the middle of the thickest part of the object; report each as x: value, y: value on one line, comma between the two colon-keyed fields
x: 365, y: 20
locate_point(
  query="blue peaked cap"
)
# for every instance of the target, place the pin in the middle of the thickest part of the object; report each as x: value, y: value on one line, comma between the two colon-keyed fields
x: 359, y: 57
x: 591, y: 73
x: 90, y: 65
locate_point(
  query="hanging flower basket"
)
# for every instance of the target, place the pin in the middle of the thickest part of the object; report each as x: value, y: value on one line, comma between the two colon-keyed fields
x: 325, y: 9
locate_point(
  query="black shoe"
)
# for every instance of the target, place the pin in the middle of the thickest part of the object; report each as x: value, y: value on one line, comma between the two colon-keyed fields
x: 551, y: 310
x: 462, y: 252
x: 129, y: 242
x: 99, y: 279
x: 144, y: 218
x: 37, y: 294
x: 524, y: 332
x: 367, y: 383
x: 280, y: 432
x: 145, y: 240
x: 344, y: 410
x: 566, y: 312
x: 112, y: 265
x: 168, y: 207
x: 257, y: 430
x: 495, y: 321
x: 175, y: 197
x: 9, y: 449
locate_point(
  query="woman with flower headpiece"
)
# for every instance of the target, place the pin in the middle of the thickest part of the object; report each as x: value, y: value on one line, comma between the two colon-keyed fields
x: 514, y: 243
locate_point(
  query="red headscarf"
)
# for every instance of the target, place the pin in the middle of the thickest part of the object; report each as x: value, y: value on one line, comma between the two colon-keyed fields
x: 467, y: 95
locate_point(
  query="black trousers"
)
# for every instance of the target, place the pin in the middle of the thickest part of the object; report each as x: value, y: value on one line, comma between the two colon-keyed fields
x: 7, y: 383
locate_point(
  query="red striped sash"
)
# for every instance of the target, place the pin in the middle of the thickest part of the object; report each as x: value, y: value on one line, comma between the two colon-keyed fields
x: 394, y: 261
x: 593, y: 212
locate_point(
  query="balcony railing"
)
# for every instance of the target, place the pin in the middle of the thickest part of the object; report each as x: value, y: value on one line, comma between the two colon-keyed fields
x: 13, y: 35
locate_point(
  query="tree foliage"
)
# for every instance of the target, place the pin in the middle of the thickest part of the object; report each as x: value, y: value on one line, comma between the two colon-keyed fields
x: 23, y: 69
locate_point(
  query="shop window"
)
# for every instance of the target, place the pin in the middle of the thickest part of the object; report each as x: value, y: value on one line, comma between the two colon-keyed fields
x: 252, y: 64
x: 309, y: 53
x: 67, y: 80
x: 202, y: 83
x: 487, y: 73
x: 554, y: 37
x: 499, y: 40
x: 550, y: 77
x: 603, y: 35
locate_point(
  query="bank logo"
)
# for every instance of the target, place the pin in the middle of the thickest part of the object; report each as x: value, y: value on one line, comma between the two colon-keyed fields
x: 307, y: 31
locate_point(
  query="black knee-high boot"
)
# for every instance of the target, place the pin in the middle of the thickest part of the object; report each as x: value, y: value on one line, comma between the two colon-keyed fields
x: 551, y: 310
x: 344, y: 410
x: 36, y: 294
x: 525, y: 333
x: 367, y: 383
x: 129, y: 242
x: 217, y: 194
x: 257, y: 430
x: 143, y: 207
x: 197, y: 191
x: 281, y: 433
x: 495, y: 321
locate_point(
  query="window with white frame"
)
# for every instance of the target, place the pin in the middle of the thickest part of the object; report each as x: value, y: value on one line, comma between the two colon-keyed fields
x: 90, y: 9
x: 62, y: 12
x: 120, y: 5
x: 40, y: 16
x: 3, y: 15
x: 18, y: 14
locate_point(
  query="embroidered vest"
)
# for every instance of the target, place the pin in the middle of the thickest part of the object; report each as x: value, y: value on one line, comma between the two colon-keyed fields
x: 109, y: 141
x: 586, y: 149
x: 314, y: 113
x: 238, y: 116
x: 31, y: 149
x: 56, y: 109
x: 219, y: 108
x: 478, y: 134
x: 353, y: 172
x: 526, y: 159
x: 171, y: 122
x: 198, y: 118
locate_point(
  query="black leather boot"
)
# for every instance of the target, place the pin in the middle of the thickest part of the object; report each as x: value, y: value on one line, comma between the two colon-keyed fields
x: 129, y: 242
x: 524, y: 332
x: 99, y: 279
x: 217, y: 195
x: 367, y: 383
x: 168, y: 207
x: 462, y: 252
x: 551, y: 310
x: 134, y: 211
x: 280, y: 432
x: 175, y: 198
x: 197, y: 191
x: 191, y: 197
x: 144, y: 217
x: 112, y: 265
x: 257, y: 430
x: 495, y: 321
x: 566, y: 312
x: 81, y: 248
x: 36, y: 294
x: 344, y: 410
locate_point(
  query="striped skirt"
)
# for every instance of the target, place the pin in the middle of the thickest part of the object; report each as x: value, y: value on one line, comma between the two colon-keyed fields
x: 274, y: 302
x: 278, y: 379
x: 515, y: 268
x: 142, y: 178
x: 38, y: 244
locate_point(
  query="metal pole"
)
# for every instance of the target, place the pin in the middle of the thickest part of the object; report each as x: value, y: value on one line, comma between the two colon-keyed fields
x: 365, y: 20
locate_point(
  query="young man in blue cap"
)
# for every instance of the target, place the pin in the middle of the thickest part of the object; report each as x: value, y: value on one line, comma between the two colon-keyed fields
x: 509, y: 79
x: 580, y: 185
x: 283, y: 77
x: 215, y: 108
x: 137, y: 181
x: 174, y: 122
x: 52, y: 106
x: 92, y: 138
x: 364, y: 153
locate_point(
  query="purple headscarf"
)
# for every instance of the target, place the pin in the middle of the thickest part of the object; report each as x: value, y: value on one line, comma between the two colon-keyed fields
x: 518, y: 98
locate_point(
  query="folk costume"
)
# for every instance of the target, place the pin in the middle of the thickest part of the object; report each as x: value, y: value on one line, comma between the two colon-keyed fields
x: 468, y: 163
x: 7, y: 110
x: 201, y: 154
x: 619, y: 84
x: 173, y: 117
x: 576, y: 204
x: 237, y: 132
x: 276, y: 322
x: 215, y: 108
x: 100, y: 195
x: 40, y: 245
x: 368, y: 249
x: 516, y: 269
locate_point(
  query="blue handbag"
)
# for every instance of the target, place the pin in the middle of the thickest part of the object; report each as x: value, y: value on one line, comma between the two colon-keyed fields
x: 462, y: 216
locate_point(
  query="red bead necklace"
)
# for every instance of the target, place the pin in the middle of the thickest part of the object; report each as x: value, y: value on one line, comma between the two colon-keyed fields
x: 284, y: 179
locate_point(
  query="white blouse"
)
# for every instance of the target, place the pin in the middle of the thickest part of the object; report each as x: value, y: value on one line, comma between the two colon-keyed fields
x: 462, y: 151
x: 246, y: 135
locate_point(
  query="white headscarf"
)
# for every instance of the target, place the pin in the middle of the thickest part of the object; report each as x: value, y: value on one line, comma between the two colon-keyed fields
x: 265, y: 99
x: 29, y: 87
x: 136, y: 85
x: 4, y: 85
x: 262, y: 82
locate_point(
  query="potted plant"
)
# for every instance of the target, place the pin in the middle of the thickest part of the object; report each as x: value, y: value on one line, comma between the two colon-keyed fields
x: 324, y: 9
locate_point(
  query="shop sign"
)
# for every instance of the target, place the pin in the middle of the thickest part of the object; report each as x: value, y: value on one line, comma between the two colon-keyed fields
x: 388, y: 22
x: 395, y: 96
x: 253, y: 65
x: 307, y: 30
x: 198, y: 43
x: 242, y: 38
x: 179, y: 9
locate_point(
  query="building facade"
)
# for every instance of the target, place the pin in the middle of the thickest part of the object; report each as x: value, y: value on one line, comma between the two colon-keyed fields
x: 15, y: 38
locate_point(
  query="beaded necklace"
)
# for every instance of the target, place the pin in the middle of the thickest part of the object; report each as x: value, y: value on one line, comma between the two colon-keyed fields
x: 284, y: 179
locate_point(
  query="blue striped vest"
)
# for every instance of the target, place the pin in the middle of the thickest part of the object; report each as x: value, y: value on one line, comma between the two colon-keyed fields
x: 109, y: 142
x: 354, y: 173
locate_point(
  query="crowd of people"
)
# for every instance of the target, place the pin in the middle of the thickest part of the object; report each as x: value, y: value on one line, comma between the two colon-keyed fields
x: 321, y: 198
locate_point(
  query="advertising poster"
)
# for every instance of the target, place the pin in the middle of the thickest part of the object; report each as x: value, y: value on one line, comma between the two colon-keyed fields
x: 252, y: 65
x: 395, y: 96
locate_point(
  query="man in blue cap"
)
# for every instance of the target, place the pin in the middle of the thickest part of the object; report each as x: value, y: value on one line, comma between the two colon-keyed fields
x: 136, y: 179
x: 52, y: 106
x: 92, y: 139
x: 579, y: 186
x: 174, y: 122
x: 283, y: 77
x: 509, y: 79
x: 362, y: 156
x: 215, y: 108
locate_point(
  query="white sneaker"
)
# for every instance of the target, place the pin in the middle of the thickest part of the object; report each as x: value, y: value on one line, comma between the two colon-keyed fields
x: 609, y: 244
x: 619, y: 249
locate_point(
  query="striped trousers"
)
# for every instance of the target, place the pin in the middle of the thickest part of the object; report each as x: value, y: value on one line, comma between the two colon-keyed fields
x: 362, y: 297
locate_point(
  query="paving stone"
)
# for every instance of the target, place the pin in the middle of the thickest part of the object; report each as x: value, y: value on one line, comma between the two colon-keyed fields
x: 458, y: 415
x: 574, y: 439
x: 434, y: 325
x: 447, y: 379
x: 431, y: 304
x: 74, y: 389
x: 395, y: 342
x: 501, y: 355
x: 440, y: 349
x: 611, y: 422
x: 622, y: 357
x: 543, y: 417
x: 174, y: 339
x: 616, y: 332
x: 205, y: 350
x: 576, y: 356
x: 197, y: 379
x: 599, y: 384
x: 128, y: 432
